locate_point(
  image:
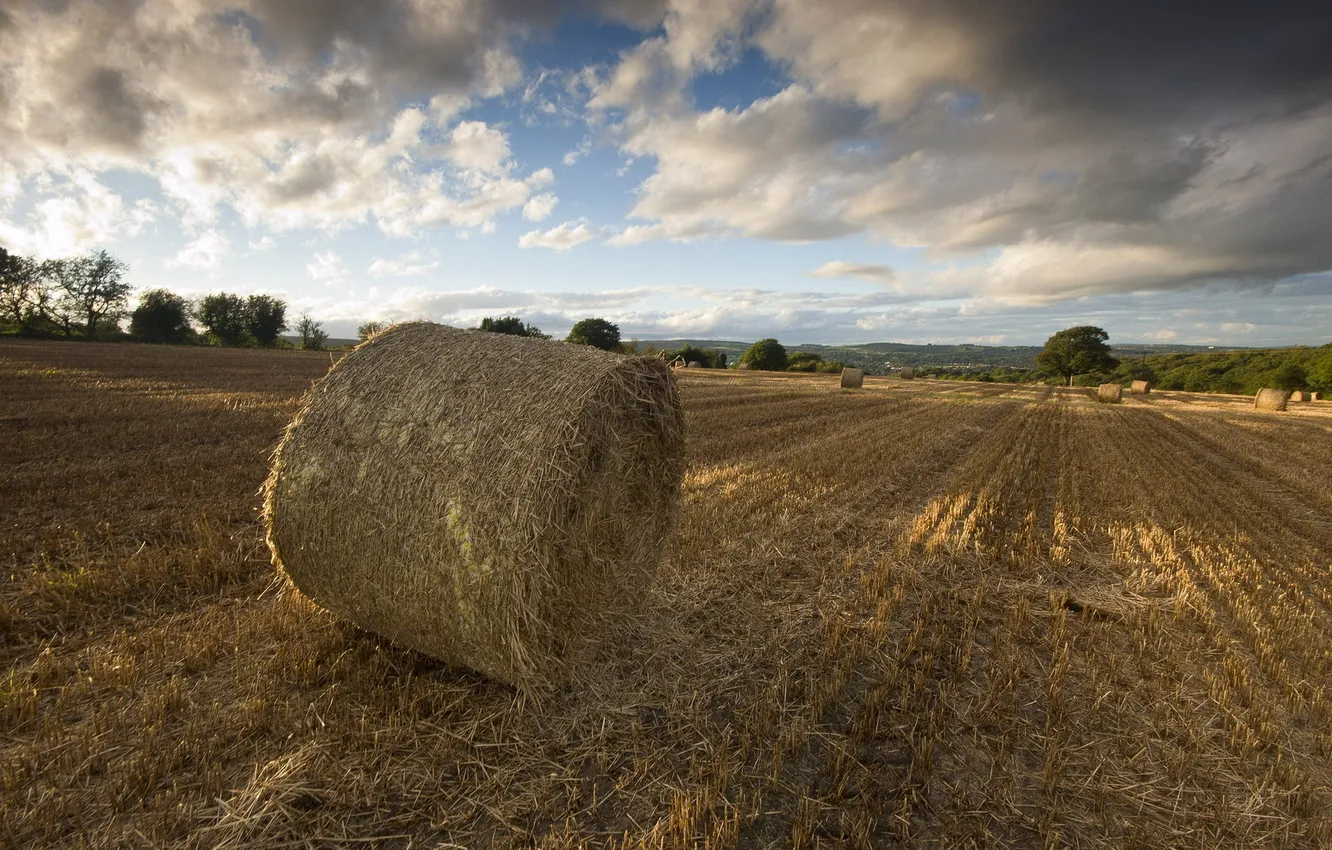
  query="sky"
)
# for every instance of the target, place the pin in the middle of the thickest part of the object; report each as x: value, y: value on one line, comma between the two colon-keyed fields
x: 833, y: 172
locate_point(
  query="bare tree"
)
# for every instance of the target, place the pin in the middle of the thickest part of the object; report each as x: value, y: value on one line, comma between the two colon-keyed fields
x: 312, y: 333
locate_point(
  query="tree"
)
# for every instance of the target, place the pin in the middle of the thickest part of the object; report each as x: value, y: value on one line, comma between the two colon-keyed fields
x: 513, y: 326
x: 1320, y: 373
x: 161, y: 316
x: 1076, y: 351
x: 93, y: 288
x: 223, y: 315
x: 803, y: 361
x: 1289, y: 377
x: 368, y: 330
x: 767, y: 354
x: 597, y: 333
x: 18, y: 280
x: 265, y: 319
x: 312, y: 333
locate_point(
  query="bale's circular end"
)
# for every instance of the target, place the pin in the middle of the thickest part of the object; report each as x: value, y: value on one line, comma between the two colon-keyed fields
x: 479, y: 497
x: 852, y: 378
x: 908, y: 372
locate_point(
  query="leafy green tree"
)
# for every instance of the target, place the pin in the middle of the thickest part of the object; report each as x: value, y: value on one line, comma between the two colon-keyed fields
x: 1289, y: 376
x: 223, y: 316
x: 1320, y: 373
x: 162, y: 316
x: 18, y: 284
x: 265, y: 319
x: 368, y: 330
x: 311, y: 333
x: 767, y: 354
x: 597, y: 333
x: 514, y: 326
x: 1076, y: 351
x: 93, y: 288
x: 803, y: 361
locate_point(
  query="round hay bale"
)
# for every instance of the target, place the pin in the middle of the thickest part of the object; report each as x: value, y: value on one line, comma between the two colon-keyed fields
x: 1298, y: 396
x: 694, y: 364
x: 908, y: 372
x: 1140, y: 387
x: 852, y: 378
x: 1269, y: 399
x: 483, y: 498
x: 1315, y: 396
x: 1110, y: 393
x: 744, y: 367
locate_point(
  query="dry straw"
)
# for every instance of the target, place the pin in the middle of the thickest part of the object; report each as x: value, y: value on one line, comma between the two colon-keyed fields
x: 694, y: 364
x: 1140, y: 387
x: 852, y: 378
x: 1298, y: 396
x: 908, y: 372
x: 1110, y: 393
x: 483, y: 498
x: 1269, y: 399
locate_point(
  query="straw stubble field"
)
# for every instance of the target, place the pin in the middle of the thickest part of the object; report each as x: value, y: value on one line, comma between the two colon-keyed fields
x: 916, y: 613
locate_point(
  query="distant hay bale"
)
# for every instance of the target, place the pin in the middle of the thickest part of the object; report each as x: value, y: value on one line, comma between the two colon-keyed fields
x: 1298, y: 396
x: 1315, y: 396
x: 852, y: 378
x: 483, y: 498
x: 1110, y: 393
x: 908, y: 372
x: 744, y: 367
x: 1269, y: 399
x: 694, y: 364
x: 1140, y: 387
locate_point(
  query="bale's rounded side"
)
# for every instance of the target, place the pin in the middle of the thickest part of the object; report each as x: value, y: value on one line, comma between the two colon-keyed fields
x: 694, y: 364
x: 1140, y: 387
x: 1110, y: 393
x: 852, y: 378
x: 1297, y: 396
x: 908, y: 372
x: 1270, y: 399
x: 744, y: 367
x: 482, y: 498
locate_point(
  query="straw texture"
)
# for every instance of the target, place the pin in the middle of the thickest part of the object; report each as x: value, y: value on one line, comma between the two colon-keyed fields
x: 1299, y: 396
x: 1140, y: 387
x: 908, y: 372
x: 1110, y: 393
x: 483, y: 498
x: 852, y: 378
x: 1270, y: 399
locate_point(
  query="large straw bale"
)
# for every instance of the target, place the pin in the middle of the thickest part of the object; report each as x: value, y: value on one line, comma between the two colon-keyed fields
x: 908, y: 372
x: 1110, y: 393
x: 1269, y: 399
x: 694, y: 364
x: 1299, y: 396
x: 486, y: 499
x: 852, y: 378
x: 1140, y: 387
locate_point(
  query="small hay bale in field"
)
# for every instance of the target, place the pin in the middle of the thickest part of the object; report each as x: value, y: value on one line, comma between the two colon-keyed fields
x: 694, y: 364
x: 852, y: 378
x: 744, y: 367
x: 1315, y: 396
x: 1110, y: 393
x: 1140, y: 387
x: 908, y: 372
x: 1298, y: 396
x: 483, y: 498
x: 1270, y: 399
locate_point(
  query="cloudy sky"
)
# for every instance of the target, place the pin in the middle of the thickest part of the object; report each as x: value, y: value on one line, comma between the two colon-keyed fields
x: 848, y: 170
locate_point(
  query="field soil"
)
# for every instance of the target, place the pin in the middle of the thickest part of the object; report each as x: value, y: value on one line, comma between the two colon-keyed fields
x: 915, y: 614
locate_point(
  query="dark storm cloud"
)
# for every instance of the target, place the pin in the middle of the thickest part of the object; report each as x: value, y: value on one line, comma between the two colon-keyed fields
x: 113, y: 112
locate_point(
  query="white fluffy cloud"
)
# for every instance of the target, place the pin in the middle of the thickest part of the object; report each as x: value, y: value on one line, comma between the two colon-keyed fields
x: 539, y: 207
x: 408, y: 265
x: 327, y: 267
x: 562, y: 237
x: 860, y: 271
x: 205, y: 252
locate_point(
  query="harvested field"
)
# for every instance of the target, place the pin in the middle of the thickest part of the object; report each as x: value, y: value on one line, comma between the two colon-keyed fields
x: 970, y: 630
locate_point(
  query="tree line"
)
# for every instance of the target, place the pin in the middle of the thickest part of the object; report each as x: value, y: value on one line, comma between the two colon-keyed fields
x: 87, y: 297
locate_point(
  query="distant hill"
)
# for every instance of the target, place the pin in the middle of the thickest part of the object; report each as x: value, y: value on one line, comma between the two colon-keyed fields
x: 883, y: 356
